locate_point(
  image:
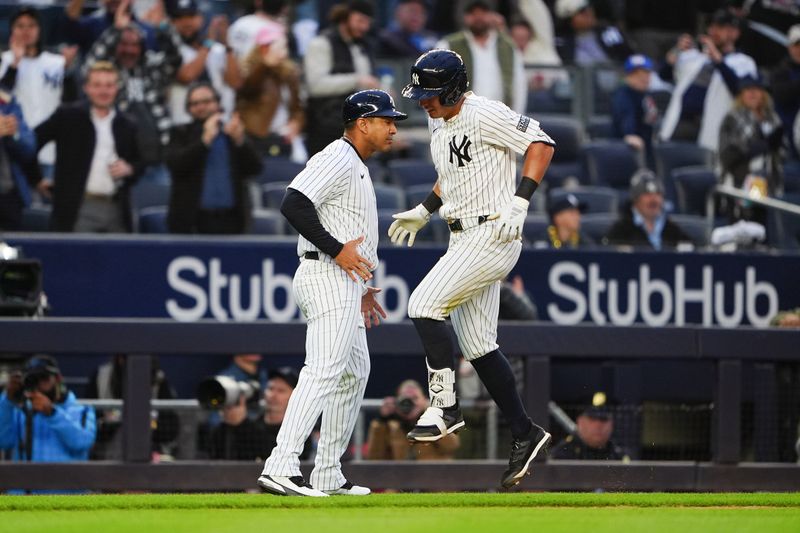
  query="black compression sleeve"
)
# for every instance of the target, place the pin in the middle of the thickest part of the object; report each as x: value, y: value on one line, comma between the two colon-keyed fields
x: 526, y: 188
x: 300, y: 213
x: 432, y: 203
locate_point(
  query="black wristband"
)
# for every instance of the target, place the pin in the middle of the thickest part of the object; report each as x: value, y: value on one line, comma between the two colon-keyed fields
x: 432, y: 203
x: 527, y: 187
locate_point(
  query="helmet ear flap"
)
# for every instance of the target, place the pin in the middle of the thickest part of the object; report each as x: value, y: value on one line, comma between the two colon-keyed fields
x: 457, y: 87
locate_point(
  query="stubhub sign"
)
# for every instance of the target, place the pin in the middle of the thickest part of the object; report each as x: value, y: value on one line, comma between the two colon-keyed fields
x: 245, y: 279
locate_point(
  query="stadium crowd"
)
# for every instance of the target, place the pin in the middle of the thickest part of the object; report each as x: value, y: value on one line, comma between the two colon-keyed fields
x: 228, y: 99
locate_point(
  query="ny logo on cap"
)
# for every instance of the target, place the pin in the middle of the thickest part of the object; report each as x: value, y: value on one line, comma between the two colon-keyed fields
x: 461, y: 151
x: 415, y: 78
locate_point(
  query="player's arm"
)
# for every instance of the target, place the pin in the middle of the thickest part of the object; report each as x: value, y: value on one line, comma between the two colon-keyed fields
x: 408, y: 223
x: 300, y: 212
x: 512, y: 218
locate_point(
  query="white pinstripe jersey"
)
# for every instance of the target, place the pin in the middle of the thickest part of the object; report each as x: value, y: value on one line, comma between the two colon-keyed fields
x: 475, y: 155
x: 337, y: 181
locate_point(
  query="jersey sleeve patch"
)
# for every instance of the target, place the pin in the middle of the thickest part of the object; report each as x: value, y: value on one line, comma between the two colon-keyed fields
x: 523, y: 123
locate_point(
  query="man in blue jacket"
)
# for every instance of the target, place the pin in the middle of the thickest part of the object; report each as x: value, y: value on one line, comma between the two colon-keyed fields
x: 17, y: 149
x: 40, y: 420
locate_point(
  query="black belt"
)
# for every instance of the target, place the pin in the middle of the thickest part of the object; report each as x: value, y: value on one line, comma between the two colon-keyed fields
x: 311, y: 255
x: 456, y: 225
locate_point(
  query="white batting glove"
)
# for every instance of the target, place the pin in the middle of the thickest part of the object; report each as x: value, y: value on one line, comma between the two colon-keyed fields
x: 407, y: 224
x: 510, y: 220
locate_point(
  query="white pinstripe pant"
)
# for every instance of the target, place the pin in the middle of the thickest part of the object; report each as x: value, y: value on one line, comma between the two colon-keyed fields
x: 465, y: 285
x: 334, y: 377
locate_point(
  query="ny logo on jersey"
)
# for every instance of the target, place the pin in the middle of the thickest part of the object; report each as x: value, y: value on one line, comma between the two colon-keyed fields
x: 414, y: 79
x: 461, y: 151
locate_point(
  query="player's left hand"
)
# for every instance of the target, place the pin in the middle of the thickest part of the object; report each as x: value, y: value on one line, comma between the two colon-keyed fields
x: 510, y: 220
x: 371, y: 310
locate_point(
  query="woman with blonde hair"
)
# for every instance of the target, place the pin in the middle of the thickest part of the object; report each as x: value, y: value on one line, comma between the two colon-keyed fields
x: 269, y: 100
x: 750, y: 148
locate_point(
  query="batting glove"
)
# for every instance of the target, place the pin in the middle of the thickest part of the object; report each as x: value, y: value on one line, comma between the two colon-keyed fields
x: 510, y: 220
x: 407, y: 224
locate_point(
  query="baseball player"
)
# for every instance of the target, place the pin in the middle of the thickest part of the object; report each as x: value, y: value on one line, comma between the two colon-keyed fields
x: 474, y: 142
x: 331, y: 203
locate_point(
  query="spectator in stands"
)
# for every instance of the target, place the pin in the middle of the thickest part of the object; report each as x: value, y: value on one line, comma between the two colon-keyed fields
x: 243, y: 439
x: 406, y: 36
x: 398, y: 414
x: 262, y: 14
x: 40, y: 419
x: 210, y: 161
x: 107, y: 383
x: 592, y: 437
x: 205, y: 58
x: 488, y: 50
x: 269, y: 100
x: 337, y: 63
x: 515, y: 302
x: 785, y: 82
x: 750, y: 146
x: 145, y: 77
x: 633, y: 110
x: 85, y: 30
x: 580, y: 40
x: 17, y: 150
x: 706, y: 81
x: 646, y: 224
x: 535, y: 49
x: 97, y: 158
x: 564, y: 230
x: 35, y: 76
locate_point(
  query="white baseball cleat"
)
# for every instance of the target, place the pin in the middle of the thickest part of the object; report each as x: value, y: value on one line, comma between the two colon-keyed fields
x: 348, y: 489
x: 288, y: 486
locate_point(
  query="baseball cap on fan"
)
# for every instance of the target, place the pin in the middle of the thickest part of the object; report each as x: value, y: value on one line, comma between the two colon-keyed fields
x: 287, y: 373
x: 566, y: 9
x: 269, y: 34
x: 793, y: 36
x: 637, y: 61
x: 569, y: 201
x: 181, y: 8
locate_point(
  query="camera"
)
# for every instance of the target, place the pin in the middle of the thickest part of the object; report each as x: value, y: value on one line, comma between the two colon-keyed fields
x: 30, y: 383
x: 404, y: 405
x: 20, y: 284
x: 222, y: 391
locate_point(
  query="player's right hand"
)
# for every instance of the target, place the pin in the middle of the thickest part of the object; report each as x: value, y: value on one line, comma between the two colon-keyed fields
x: 407, y: 224
x: 351, y: 261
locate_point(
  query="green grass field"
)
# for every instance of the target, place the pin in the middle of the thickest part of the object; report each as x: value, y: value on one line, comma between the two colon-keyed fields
x: 385, y: 513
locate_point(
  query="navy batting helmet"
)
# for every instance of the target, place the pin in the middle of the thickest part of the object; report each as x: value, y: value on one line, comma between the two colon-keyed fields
x: 368, y: 104
x: 439, y: 72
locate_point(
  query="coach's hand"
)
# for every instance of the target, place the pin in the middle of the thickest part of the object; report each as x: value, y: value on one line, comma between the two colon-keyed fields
x: 510, y: 220
x: 407, y: 224
x: 371, y: 310
x: 351, y: 261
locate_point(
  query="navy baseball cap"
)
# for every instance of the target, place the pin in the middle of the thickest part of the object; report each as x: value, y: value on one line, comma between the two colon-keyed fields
x: 638, y: 61
x: 42, y: 364
x: 287, y: 373
x: 598, y: 408
x: 182, y: 8
x: 569, y: 201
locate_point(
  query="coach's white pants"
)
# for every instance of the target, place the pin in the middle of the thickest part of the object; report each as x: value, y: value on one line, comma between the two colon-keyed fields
x: 334, y: 377
x: 465, y: 285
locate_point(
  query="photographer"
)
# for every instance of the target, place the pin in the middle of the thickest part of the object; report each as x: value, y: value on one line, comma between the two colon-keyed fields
x: 40, y: 420
x: 241, y: 438
x: 398, y: 415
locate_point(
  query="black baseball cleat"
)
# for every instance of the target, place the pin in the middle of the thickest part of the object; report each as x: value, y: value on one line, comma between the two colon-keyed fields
x: 436, y: 423
x: 523, y: 452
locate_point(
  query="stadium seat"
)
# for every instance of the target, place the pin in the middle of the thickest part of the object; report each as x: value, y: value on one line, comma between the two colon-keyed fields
x: 568, y: 134
x: 596, y: 225
x: 272, y: 194
x: 610, y: 163
x: 600, y: 128
x: 389, y: 197
x: 693, y: 188
x: 266, y: 222
x: 279, y: 169
x: 597, y: 199
x: 783, y: 229
x: 695, y: 227
x: 671, y: 155
x: 149, y: 194
x: 36, y: 218
x: 152, y: 219
x: 535, y: 228
x: 416, y: 194
x: 410, y: 172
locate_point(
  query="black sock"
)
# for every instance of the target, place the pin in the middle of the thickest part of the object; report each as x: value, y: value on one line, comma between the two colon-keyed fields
x: 497, y: 376
x: 437, y: 342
